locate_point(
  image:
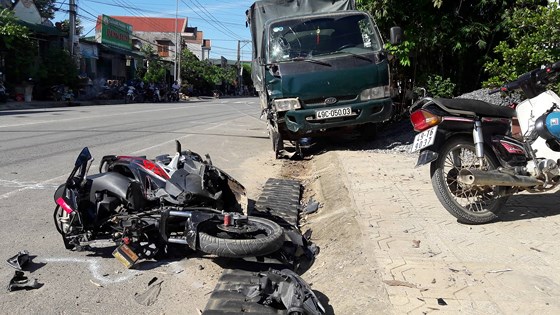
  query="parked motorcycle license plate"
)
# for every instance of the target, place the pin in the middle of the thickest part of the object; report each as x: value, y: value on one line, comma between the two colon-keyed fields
x: 332, y: 113
x: 424, y: 139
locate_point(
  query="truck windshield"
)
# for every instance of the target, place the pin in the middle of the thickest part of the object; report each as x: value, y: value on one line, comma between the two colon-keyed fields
x: 310, y: 37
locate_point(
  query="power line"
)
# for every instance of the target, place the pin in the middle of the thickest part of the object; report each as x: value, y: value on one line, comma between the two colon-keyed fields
x: 214, y: 19
x: 211, y: 24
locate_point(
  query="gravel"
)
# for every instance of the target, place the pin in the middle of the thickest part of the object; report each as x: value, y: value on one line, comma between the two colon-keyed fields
x: 496, y: 98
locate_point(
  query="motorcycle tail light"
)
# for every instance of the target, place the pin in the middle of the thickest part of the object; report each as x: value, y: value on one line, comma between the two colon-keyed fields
x: 423, y: 119
x: 64, y: 205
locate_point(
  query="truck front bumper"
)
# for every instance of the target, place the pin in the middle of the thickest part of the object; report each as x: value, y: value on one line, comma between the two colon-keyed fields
x: 302, y: 121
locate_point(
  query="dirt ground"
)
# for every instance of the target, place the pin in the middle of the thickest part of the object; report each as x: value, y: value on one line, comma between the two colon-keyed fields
x: 345, y: 277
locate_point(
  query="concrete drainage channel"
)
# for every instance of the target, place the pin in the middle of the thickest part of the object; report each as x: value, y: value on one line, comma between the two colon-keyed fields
x: 271, y: 285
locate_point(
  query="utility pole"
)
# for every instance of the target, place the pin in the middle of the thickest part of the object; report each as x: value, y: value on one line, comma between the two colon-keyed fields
x: 72, y: 31
x: 239, y: 67
x: 175, y: 76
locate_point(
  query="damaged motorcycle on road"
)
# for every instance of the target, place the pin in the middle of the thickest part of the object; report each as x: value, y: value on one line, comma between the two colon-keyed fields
x: 476, y: 161
x: 143, y: 205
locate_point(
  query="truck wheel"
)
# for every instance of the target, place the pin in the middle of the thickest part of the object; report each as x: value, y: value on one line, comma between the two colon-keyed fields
x: 276, y: 138
x: 267, y: 238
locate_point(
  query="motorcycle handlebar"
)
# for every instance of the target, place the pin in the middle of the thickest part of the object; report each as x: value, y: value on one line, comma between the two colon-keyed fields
x: 536, y: 75
x: 494, y: 91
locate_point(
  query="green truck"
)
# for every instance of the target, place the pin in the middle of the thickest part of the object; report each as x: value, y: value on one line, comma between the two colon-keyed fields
x: 318, y: 65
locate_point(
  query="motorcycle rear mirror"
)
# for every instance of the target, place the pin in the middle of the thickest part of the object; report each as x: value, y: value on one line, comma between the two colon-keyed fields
x: 395, y: 35
x: 178, y: 146
x: 83, y: 157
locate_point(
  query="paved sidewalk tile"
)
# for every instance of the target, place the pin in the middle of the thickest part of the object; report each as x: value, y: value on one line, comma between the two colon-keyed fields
x: 507, y: 267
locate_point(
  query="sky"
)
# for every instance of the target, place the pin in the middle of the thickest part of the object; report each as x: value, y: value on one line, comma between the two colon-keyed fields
x: 222, y: 21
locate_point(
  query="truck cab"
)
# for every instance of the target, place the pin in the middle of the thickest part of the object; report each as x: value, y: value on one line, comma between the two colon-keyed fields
x: 318, y: 71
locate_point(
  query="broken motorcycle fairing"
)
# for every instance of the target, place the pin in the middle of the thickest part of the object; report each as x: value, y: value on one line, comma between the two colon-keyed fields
x: 145, y: 204
x: 287, y: 288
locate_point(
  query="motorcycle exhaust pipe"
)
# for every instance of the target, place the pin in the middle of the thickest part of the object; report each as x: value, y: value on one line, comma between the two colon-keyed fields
x: 495, y: 178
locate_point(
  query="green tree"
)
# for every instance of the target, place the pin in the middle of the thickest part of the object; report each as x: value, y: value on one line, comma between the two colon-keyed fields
x: 18, y: 47
x: 46, y: 8
x: 533, y: 40
x: 10, y: 30
x: 452, y: 39
x: 156, y: 70
x: 57, y: 67
x: 202, y: 75
x: 65, y: 26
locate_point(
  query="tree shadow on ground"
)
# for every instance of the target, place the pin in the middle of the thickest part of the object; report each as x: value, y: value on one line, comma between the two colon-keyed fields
x: 526, y: 207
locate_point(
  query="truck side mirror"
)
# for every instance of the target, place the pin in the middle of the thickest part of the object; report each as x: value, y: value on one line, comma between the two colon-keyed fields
x: 396, y: 35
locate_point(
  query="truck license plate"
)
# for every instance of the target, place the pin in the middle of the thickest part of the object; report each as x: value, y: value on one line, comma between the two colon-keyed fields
x: 332, y: 113
x: 424, y: 139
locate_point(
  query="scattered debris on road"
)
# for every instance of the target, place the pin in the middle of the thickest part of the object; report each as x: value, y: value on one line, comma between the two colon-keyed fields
x: 287, y: 288
x: 19, y: 260
x: 311, y: 207
x: 150, y: 295
x: 398, y: 283
x: 441, y: 301
x: 21, y: 282
x: 498, y: 271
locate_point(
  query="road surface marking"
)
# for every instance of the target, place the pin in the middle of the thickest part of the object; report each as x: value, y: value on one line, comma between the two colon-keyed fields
x: 94, y: 267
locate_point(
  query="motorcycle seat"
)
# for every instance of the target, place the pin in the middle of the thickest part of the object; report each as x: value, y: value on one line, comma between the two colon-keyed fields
x: 476, y: 107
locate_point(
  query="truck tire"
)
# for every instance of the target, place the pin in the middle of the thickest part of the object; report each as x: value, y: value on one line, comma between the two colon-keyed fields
x: 276, y: 138
x: 211, y: 240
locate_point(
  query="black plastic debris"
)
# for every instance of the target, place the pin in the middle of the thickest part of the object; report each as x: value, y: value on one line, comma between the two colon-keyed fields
x: 150, y: 296
x: 311, y: 207
x: 19, y: 260
x: 287, y: 288
x: 21, y: 282
x: 441, y: 301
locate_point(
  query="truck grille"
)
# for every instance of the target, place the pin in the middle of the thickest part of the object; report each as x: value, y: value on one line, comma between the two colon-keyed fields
x: 317, y: 102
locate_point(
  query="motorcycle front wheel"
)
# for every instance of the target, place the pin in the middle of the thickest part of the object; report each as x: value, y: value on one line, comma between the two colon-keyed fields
x: 469, y: 204
x: 265, y: 237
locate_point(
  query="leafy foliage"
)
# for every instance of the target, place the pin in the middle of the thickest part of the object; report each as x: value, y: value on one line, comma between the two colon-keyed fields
x: 57, y: 67
x: 10, y: 30
x: 533, y: 40
x: 46, y: 8
x: 452, y: 39
x: 65, y: 26
x: 436, y: 86
x: 18, y: 47
x: 202, y: 76
x: 156, y: 70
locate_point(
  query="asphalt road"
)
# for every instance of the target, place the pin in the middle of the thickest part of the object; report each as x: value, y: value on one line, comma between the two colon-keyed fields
x: 37, y: 151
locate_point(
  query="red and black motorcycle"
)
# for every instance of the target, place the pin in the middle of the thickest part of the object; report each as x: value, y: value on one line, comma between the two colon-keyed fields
x: 143, y: 205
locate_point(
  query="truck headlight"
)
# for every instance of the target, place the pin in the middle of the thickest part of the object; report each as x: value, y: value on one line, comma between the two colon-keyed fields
x: 375, y: 93
x: 285, y: 104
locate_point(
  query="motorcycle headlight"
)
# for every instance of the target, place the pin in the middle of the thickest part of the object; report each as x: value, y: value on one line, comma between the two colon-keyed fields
x: 375, y: 93
x: 286, y: 104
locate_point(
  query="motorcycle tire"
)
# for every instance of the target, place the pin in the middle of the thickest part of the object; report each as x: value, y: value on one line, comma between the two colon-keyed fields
x: 470, y: 205
x: 211, y: 240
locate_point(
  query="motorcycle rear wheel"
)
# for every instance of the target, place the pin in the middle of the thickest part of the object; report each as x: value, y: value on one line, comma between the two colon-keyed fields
x: 270, y: 238
x: 470, y: 205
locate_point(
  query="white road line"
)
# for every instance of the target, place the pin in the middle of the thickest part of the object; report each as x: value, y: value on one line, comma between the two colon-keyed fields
x: 95, y: 117
x: 94, y: 267
x: 31, y: 186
